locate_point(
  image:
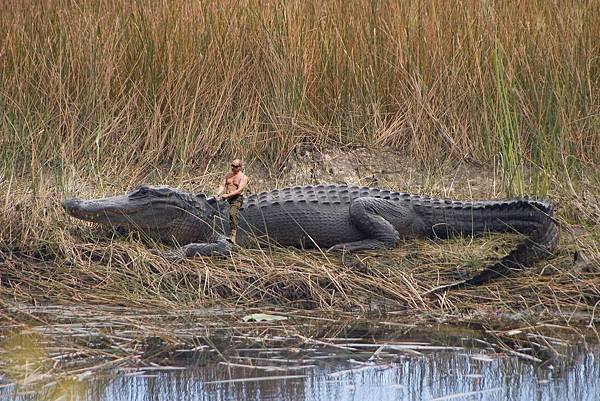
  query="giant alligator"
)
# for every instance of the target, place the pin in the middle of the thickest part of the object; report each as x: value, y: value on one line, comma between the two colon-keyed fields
x: 335, y: 217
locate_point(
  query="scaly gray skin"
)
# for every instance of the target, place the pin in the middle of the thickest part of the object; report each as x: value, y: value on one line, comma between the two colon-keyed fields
x: 338, y: 217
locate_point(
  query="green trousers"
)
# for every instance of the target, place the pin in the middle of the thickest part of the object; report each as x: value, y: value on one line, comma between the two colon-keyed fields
x: 234, y: 208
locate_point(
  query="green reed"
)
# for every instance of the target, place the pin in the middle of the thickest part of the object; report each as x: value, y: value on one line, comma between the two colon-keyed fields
x: 506, y: 127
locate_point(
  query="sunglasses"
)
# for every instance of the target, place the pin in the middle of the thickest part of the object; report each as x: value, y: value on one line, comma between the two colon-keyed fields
x: 235, y: 166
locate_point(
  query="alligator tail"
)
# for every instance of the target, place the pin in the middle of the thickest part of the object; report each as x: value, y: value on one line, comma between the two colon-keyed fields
x: 532, y: 218
x: 538, y: 245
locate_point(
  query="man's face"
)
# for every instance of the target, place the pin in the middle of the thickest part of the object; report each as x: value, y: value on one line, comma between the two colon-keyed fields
x: 235, y: 168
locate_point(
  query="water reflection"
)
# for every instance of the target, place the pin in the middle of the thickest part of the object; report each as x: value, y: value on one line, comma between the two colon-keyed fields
x: 316, y: 373
x: 30, y: 371
x: 25, y: 356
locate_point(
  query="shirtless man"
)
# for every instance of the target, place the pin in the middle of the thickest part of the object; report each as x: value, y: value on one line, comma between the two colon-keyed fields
x: 232, y: 190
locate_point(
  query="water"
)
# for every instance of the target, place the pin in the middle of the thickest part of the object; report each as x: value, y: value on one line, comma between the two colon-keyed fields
x: 408, y: 368
x: 449, y: 375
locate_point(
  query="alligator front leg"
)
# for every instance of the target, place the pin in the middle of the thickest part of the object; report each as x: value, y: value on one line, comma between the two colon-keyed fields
x: 367, y: 214
x: 220, y: 247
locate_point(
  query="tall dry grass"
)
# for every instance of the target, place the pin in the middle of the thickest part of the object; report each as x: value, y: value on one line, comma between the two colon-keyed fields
x: 102, y: 85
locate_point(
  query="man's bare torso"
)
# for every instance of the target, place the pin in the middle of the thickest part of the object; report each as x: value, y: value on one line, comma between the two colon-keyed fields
x: 232, y: 181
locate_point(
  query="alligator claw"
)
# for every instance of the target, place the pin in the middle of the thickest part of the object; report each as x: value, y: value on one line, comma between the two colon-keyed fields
x: 171, y: 256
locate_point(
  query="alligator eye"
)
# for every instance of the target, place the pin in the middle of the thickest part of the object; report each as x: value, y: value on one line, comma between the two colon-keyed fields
x: 138, y: 191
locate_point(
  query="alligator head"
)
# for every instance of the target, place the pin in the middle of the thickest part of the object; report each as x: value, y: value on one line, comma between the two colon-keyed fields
x: 162, y: 213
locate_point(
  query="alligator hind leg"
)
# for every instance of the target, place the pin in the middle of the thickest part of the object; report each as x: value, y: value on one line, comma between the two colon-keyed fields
x: 366, y: 214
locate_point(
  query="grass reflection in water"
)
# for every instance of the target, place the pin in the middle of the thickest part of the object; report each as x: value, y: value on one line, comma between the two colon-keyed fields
x: 426, y: 367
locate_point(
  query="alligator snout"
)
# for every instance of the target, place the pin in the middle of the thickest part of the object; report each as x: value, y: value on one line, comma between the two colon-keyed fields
x: 72, y: 206
x: 89, y: 210
x: 116, y: 211
x: 70, y: 203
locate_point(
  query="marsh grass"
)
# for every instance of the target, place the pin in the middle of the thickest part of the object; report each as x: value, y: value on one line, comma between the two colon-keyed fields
x: 104, y: 86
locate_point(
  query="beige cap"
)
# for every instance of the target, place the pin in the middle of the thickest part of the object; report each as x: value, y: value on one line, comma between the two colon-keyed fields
x: 236, y: 163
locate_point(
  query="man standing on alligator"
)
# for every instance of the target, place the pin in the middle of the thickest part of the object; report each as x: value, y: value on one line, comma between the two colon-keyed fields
x: 232, y: 190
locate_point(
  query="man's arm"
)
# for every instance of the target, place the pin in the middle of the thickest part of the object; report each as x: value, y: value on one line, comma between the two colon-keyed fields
x: 221, y: 188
